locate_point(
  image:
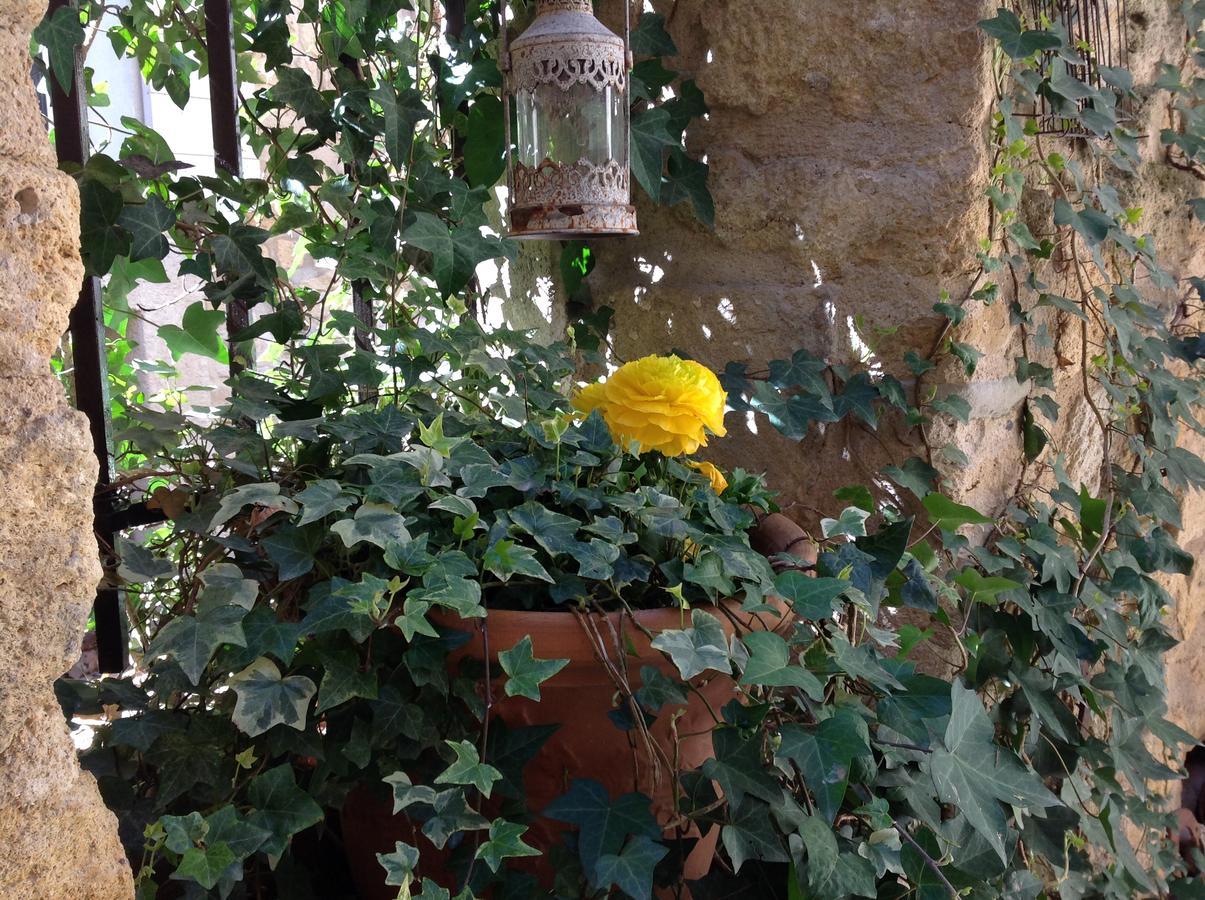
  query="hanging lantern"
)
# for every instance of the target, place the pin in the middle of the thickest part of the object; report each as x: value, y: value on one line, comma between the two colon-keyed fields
x: 568, y: 170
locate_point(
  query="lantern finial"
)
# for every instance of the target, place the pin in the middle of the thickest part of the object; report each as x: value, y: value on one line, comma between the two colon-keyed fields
x: 569, y: 172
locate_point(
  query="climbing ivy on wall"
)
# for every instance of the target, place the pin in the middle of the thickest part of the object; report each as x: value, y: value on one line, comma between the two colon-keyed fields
x: 349, y: 489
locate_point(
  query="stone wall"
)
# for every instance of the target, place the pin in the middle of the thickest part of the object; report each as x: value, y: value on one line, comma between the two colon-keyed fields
x: 848, y: 152
x: 57, y: 840
x: 842, y: 156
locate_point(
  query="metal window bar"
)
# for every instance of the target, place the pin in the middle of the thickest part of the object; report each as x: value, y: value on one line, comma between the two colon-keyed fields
x: 224, y: 103
x: 91, y: 377
x: 91, y: 381
x: 86, y: 323
x: 1098, y: 29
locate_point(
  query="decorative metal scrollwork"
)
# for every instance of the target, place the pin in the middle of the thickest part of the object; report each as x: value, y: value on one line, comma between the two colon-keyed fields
x: 554, y: 184
x: 598, y: 65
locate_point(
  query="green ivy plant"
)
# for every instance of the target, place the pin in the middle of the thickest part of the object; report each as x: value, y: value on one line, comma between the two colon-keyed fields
x: 367, y: 473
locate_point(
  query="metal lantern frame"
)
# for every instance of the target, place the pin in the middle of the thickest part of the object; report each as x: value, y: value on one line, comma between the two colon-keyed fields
x: 567, y: 199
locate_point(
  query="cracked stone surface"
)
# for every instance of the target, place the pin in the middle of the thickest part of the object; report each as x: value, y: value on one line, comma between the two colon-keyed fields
x: 57, y: 839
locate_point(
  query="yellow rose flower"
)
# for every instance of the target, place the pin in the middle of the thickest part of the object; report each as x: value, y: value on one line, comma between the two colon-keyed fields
x: 719, y: 483
x: 661, y: 403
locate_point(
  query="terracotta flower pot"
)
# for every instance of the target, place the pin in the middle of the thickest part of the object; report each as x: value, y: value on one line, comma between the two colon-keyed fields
x: 586, y: 744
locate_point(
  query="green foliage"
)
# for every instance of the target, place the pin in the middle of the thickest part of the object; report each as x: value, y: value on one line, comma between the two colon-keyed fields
x: 368, y: 483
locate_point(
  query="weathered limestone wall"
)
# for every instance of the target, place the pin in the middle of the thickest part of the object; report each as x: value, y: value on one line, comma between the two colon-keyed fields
x: 56, y: 838
x: 847, y: 145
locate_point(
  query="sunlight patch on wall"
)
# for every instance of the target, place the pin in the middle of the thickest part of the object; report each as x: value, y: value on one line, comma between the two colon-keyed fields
x: 727, y: 311
x: 652, y: 270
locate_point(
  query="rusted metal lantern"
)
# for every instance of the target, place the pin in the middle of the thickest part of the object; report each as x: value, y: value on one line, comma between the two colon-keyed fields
x: 568, y: 170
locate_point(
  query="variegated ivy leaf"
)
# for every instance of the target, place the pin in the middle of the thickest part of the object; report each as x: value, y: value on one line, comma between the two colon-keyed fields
x: 702, y: 647
x: 265, y: 699
x: 469, y: 769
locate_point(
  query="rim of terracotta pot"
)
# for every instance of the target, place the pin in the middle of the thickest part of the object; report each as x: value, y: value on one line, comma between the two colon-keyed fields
x: 561, y: 635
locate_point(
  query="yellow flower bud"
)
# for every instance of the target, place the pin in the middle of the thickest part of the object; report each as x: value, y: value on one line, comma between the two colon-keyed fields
x: 719, y: 483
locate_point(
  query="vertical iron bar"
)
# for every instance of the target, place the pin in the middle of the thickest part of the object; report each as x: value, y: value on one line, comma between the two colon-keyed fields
x: 223, y: 86
x: 227, y: 143
x: 504, y: 66
x: 361, y: 303
x: 86, y: 324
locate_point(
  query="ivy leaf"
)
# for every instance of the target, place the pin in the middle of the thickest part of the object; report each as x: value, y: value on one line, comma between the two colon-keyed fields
x: 455, y: 252
x: 1015, y: 40
x: 738, y: 768
x: 139, y: 565
x: 320, y: 499
x: 413, y: 619
x: 265, y: 495
x: 505, y: 842
x: 375, y: 523
x: 237, y: 254
x: 886, y: 546
x: 452, y: 589
x: 916, y: 475
x: 146, y: 223
x: 224, y: 585
x: 658, y: 689
x: 852, y: 876
x: 949, y: 516
x: 822, y: 851
x: 228, y: 827
x: 101, y: 241
x: 857, y: 397
x: 631, y: 870
x: 686, y: 179
x: 281, y: 808
x: 555, y: 532
x: 974, y: 773
x: 770, y: 665
x: 750, y: 834
x: 182, y: 832
x: 342, y: 609
x: 1091, y: 223
x: 651, y: 138
x: 852, y: 523
x: 649, y: 37
x: 469, y: 769
x: 293, y: 550
x: 697, y: 649
x: 61, y: 34
x: 824, y: 754
x: 811, y: 598
x: 192, y: 640
x: 198, y: 332
x: 915, y: 590
x: 403, y: 110
x: 526, y: 673
x: 452, y: 815
x: 603, y: 825
x: 344, y: 679
x: 294, y: 88
x: 206, y: 865
x: 984, y: 589
x: 485, y: 142
x: 265, y: 699
x: 506, y: 558
x: 400, y: 864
